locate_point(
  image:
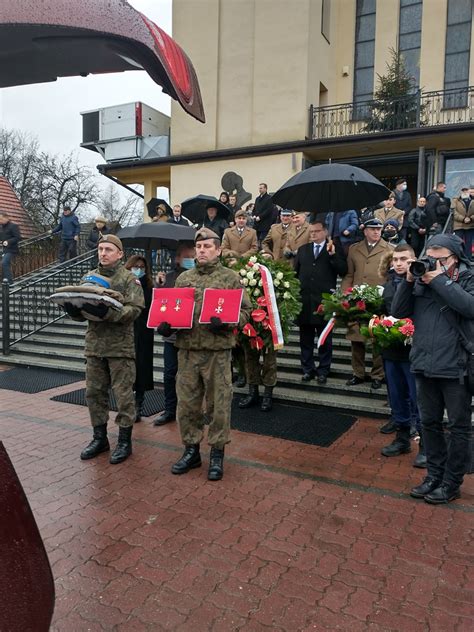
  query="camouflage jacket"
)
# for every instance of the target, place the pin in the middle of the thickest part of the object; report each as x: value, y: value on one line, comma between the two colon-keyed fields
x: 210, y: 275
x: 113, y: 336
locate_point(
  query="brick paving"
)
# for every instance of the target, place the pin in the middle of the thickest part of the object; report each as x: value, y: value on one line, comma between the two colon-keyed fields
x: 295, y: 538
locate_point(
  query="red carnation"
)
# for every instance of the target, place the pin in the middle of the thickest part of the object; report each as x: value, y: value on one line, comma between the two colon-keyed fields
x: 407, y: 329
x: 348, y: 291
x: 345, y: 304
x: 320, y: 309
x: 386, y: 322
x: 258, y: 315
x: 361, y: 305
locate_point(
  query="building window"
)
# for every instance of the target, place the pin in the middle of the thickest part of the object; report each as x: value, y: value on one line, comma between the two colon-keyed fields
x: 458, y: 44
x: 459, y: 172
x: 326, y: 19
x: 409, y: 36
x: 364, y: 54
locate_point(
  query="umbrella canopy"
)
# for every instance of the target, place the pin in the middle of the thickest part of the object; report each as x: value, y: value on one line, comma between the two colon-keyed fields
x: 333, y: 187
x: 153, y: 236
x: 194, y: 208
x: 153, y: 204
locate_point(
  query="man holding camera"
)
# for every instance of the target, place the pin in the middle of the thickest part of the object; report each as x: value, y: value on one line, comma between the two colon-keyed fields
x: 438, y: 294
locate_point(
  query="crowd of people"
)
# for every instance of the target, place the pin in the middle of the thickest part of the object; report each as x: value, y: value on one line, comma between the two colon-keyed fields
x: 351, y: 248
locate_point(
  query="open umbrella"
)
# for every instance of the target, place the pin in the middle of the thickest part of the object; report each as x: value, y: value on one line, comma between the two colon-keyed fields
x: 333, y: 187
x: 153, y: 236
x: 194, y: 208
x: 153, y: 204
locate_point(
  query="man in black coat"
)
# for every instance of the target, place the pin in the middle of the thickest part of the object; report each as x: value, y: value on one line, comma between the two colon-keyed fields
x: 317, y: 266
x: 263, y: 212
x: 9, y: 238
x: 177, y: 218
x: 437, y: 210
x: 403, y: 202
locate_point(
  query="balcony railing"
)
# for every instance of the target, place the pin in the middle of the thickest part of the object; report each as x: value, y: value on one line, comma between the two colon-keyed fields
x: 420, y: 110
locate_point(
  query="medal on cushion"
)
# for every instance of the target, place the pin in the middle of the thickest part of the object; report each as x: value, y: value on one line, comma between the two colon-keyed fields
x: 220, y: 303
x: 163, y: 305
x: 177, y: 307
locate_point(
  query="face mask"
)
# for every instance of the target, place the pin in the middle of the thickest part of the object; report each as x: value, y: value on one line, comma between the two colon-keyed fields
x: 138, y: 272
x: 404, y: 187
x: 187, y: 263
x: 465, y: 196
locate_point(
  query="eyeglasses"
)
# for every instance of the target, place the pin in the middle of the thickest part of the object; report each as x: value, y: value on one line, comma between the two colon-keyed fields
x: 443, y: 260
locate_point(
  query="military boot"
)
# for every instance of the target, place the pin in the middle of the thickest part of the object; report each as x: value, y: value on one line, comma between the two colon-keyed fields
x: 267, y: 401
x: 252, y: 398
x: 401, y: 443
x: 216, y: 465
x: 139, y: 405
x: 123, y: 449
x: 191, y: 458
x: 99, y: 443
x: 420, y: 459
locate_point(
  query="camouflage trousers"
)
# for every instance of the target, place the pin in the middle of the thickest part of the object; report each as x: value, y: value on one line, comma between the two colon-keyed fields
x: 265, y: 373
x: 204, y: 379
x: 103, y: 373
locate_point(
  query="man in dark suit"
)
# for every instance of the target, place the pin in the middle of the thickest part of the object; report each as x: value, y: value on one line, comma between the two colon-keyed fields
x: 263, y: 212
x: 317, y: 265
x: 177, y: 218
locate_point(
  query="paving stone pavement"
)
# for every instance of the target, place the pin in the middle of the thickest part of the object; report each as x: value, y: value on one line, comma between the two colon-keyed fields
x: 294, y: 538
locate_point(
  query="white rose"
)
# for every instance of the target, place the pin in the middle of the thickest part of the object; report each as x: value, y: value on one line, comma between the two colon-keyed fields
x: 279, y: 276
x: 256, y: 292
x: 253, y: 259
x: 286, y: 284
x: 245, y: 282
x: 361, y: 287
x: 242, y: 272
x: 276, y: 282
x: 252, y: 282
x: 250, y: 275
x: 286, y: 295
x: 260, y: 283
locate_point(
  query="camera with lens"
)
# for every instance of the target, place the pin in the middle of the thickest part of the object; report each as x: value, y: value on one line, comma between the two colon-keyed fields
x: 422, y: 265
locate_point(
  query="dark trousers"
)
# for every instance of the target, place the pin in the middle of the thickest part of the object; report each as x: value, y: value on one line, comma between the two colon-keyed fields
x: 401, y: 386
x: 67, y: 249
x: 448, y: 457
x: 170, y: 356
x: 7, y: 267
x: 307, y: 333
x: 468, y: 238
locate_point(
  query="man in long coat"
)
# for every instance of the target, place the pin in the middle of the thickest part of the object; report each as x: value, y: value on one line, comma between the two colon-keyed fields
x: 298, y: 235
x: 239, y: 241
x: 274, y: 243
x: 317, y: 266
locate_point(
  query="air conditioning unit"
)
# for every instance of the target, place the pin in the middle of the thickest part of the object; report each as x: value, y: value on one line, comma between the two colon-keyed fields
x: 132, y: 131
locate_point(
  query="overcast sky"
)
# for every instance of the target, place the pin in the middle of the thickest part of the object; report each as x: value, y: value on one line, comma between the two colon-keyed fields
x: 50, y: 111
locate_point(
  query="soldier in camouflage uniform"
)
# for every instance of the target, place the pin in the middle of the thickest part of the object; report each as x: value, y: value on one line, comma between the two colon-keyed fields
x: 204, y: 361
x: 110, y: 353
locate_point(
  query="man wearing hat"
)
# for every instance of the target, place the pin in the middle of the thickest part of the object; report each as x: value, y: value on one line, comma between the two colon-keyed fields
x: 441, y: 304
x: 391, y: 234
x: 110, y: 352
x: 298, y: 235
x: 363, y: 262
x: 275, y: 242
x: 99, y: 229
x: 204, y: 361
x: 239, y: 241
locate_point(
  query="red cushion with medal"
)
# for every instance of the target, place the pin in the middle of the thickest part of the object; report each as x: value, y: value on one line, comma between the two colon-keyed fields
x: 172, y: 305
x: 222, y: 303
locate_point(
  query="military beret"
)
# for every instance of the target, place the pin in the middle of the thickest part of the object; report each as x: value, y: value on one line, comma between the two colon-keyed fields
x: 111, y: 239
x: 240, y: 213
x: 373, y: 222
x: 205, y: 233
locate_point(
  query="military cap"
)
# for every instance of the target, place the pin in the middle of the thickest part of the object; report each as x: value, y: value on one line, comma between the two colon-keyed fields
x: 205, y: 233
x: 240, y: 213
x: 111, y: 239
x: 286, y: 212
x: 373, y: 222
x: 299, y: 212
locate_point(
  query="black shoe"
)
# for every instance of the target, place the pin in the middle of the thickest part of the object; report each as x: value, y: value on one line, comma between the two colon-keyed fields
x: 388, y: 428
x: 443, y: 494
x: 267, y: 401
x: 400, y: 445
x: 99, y: 443
x: 322, y: 379
x: 139, y: 405
x: 123, y: 449
x: 355, y: 380
x: 251, y: 399
x: 216, y: 465
x: 164, y: 418
x: 240, y: 382
x: 307, y: 377
x: 427, y: 486
x: 191, y: 458
x: 376, y: 384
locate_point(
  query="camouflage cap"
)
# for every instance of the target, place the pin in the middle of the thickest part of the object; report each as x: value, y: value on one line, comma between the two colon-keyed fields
x: 205, y: 233
x: 112, y: 239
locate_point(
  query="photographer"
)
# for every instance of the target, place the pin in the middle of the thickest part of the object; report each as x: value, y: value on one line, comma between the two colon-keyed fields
x: 438, y: 294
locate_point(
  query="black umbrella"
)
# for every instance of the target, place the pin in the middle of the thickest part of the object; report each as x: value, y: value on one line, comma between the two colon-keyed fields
x: 156, y: 235
x: 333, y: 187
x: 153, y: 204
x: 194, y: 208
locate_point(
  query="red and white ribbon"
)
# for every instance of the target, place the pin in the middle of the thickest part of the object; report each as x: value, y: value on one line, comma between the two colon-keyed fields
x: 273, y: 314
x: 326, y: 331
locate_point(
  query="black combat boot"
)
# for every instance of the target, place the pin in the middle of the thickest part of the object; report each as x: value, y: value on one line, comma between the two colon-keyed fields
x: 191, y: 458
x: 428, y: 485
x: 401, y: 443
x: 420, y: 459
x: 252, y: 398
x: 123, y: 449
x: 241, y: 381
x: 99, y: 443
x: 139, y: 405
x: 216, y: 465
x: 267, y: 401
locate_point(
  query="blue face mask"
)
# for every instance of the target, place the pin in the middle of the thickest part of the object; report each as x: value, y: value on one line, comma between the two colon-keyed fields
x: 187, y: 263
x: 138, y: 272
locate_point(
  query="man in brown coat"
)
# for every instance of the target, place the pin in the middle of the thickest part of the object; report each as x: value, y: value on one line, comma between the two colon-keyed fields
x: 240, y: 240
x: 390, y: 211
x: 275, y: 241
x: 363, y: 262
x: 298, y: 235
x: 463, y: 215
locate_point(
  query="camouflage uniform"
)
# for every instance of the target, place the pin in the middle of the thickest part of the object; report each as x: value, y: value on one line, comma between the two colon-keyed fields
x: 204, y: 361
x: 266, y: 373
x: 110, y: 351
